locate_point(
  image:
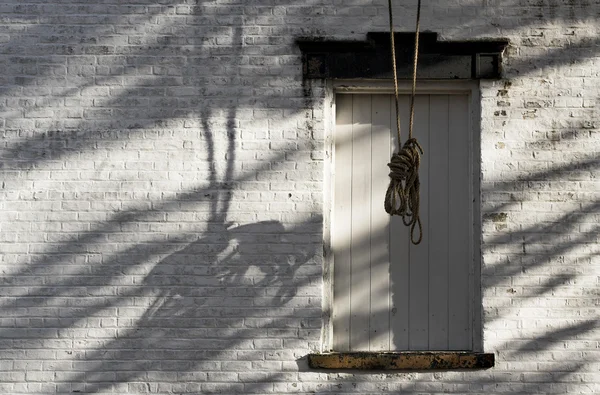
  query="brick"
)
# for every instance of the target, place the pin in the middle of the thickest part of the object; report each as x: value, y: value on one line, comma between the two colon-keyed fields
x: 163, y: 182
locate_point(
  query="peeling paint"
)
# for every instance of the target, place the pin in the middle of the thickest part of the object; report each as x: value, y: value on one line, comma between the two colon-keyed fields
x: 496, y: 217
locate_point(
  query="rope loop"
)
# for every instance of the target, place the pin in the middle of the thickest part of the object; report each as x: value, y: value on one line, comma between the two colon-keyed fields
x: 402, y: 196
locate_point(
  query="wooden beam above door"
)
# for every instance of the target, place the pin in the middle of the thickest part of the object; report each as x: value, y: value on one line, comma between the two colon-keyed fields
x: 371, y: 58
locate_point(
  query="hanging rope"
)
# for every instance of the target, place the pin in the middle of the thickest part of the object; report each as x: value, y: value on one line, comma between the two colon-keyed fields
x: 402, y: 196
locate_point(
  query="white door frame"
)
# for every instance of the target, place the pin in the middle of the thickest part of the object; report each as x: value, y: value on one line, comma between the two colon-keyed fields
x: 471, y: 88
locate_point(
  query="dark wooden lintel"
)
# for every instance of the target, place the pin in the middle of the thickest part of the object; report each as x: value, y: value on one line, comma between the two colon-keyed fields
x: 371, y: 58
x: 405, y: 360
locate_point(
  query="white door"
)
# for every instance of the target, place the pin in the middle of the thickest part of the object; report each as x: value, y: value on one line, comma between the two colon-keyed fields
x: 389, y: 294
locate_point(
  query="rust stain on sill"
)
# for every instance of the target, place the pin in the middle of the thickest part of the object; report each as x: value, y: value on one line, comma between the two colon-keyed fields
x: 407, y: 360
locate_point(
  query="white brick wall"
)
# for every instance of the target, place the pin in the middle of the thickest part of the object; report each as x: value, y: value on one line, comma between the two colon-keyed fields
x: 162, y: 196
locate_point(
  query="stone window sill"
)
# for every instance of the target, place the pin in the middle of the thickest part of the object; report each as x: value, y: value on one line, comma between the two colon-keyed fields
x: 402, y: 360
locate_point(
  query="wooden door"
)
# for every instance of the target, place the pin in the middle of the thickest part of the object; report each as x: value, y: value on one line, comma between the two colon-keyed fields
x: 389, y: 294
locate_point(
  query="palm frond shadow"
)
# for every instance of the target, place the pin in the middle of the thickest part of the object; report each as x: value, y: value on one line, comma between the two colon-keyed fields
x: 199, y: 299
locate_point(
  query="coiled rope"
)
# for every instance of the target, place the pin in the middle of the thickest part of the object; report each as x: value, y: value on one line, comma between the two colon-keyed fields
x: 402, y: 196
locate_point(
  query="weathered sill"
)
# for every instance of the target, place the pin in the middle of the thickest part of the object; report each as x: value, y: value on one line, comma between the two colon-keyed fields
x: 402, y: 360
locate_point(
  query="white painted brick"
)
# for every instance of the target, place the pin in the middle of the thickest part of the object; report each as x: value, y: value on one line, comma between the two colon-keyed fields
x: 144, y: 147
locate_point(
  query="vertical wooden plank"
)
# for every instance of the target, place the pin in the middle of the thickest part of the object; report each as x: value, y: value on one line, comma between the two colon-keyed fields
x: 361, y: 220
x: 460, y: 222
x: 380, y: 243
x: 437, y: 156
x: 419, y: 255
x: 342, y: 222
x: 399, y: 250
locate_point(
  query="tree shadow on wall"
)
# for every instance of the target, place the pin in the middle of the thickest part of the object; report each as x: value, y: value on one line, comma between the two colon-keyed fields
x: 212, y: 301
x: 142, y: 298
x: 170, y: 310
x: 182, y: 304
x: 167, y: 313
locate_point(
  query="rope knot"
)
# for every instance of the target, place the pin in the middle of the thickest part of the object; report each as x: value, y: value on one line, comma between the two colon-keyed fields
x: 402, y: 196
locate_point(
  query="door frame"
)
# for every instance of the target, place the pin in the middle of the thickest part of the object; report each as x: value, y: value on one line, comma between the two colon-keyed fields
x: 470, y: 87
